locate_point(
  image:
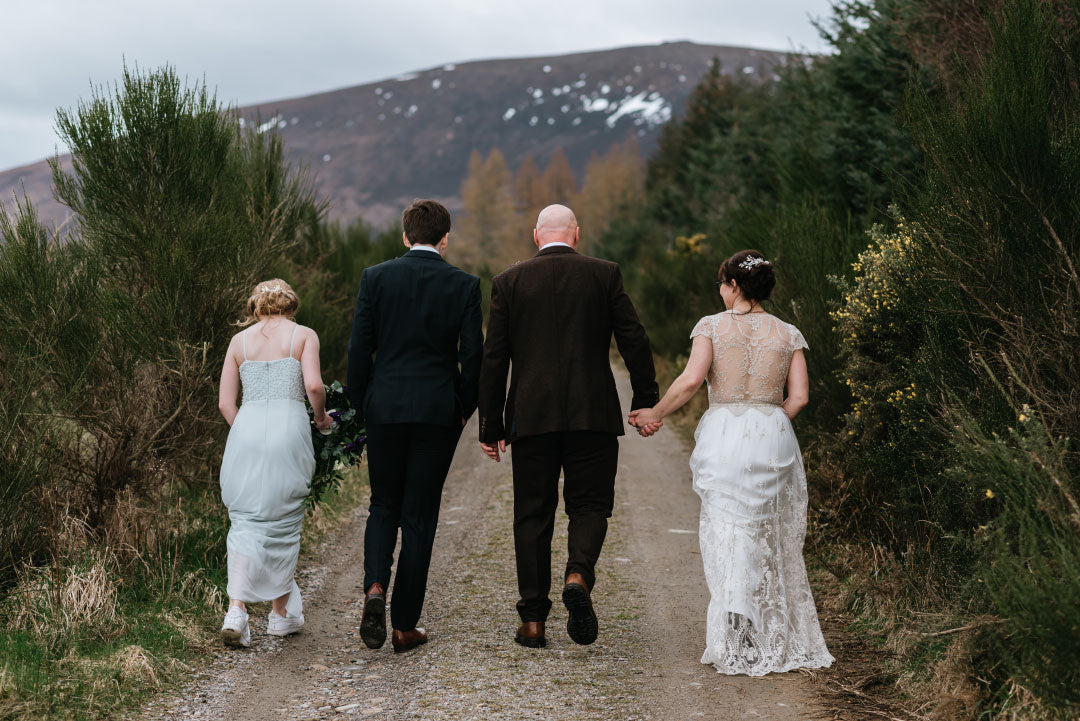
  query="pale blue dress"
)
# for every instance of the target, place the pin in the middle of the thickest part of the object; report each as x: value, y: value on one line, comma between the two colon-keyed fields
x: 265, y: 475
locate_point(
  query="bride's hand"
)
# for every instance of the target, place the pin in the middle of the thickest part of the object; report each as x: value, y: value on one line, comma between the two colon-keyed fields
x: 646, y: 420
x: 324, y: 422
x: 644, y: 417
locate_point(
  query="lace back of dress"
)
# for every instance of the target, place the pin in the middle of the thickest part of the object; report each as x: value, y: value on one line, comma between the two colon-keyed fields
x: 751, y: 356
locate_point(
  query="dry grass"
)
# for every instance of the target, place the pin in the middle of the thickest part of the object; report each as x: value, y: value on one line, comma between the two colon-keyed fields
x: 899, y: 656
x: 51, y: 602
x: 135, y: 665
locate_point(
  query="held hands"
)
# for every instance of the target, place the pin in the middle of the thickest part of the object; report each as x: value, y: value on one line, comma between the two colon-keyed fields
x: 492, y: 450
x: 646, y: 420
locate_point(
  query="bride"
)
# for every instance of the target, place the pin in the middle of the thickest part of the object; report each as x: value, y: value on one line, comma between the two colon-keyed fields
x: 269, y: 459
x: 748, y: 471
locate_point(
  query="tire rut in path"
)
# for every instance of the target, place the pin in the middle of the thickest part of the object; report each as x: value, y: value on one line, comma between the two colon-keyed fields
x: 650, y: 598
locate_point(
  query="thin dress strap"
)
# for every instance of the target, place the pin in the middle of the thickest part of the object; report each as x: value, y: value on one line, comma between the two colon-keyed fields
x: 243, y: 339
x: 293, y: 339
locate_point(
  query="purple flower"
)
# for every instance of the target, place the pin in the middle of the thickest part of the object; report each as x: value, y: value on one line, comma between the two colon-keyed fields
x: 351, y: 446
x: 335, y: 415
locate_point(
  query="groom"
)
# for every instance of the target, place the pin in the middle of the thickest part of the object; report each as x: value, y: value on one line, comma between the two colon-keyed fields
x: 414, y: 362
x: 553, y: 317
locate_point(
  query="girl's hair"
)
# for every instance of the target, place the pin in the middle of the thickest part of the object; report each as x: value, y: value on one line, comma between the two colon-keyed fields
x: 271, y: 297
x: 753, y: 274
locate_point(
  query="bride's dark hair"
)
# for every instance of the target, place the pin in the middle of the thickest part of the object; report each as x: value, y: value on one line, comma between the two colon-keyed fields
x: 753, y: 274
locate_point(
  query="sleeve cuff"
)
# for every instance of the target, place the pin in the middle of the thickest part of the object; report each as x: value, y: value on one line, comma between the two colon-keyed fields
x: 644, y: 400
x: 491, y: 431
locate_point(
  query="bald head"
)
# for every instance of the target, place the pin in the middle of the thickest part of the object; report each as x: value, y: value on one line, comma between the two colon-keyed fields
x: 556, y: 224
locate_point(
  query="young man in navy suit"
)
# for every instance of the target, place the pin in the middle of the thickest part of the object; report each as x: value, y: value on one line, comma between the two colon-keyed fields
x: 414, y: 367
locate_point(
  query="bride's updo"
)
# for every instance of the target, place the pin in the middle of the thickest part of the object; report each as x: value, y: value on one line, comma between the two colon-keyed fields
x: 271, y: 297
x: 753, y: 274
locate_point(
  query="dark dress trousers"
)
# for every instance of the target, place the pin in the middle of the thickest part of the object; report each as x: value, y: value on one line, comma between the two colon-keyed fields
x: 552, y: 318
x: 414, y: 363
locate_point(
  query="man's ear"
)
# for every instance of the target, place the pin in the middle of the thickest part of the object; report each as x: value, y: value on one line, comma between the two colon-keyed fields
x: 405, y: 240
x: 443, y: 243
x: 536, y: 238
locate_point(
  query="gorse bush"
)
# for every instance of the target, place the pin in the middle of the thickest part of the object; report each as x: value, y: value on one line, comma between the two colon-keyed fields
x: 177, y: 213
x: 1029, y: 554
x: 880, y: 325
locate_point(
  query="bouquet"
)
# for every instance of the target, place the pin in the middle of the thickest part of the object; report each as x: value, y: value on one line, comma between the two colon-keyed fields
x: 336, y: 448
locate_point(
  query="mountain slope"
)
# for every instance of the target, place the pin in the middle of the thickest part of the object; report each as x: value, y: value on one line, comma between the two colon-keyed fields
x: 377, y: 146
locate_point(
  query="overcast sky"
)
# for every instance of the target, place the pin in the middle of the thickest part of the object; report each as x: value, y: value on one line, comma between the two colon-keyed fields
x: 51, y: 50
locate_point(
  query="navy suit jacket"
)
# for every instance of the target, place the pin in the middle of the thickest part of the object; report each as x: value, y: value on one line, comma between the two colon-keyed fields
x: 417, y: 340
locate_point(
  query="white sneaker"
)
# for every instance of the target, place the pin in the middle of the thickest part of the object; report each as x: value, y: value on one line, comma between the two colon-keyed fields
x: 284, y: 625
x: 235, y: 630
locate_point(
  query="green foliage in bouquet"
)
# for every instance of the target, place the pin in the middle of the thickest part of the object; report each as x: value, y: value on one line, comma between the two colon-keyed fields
x: 336, y: 449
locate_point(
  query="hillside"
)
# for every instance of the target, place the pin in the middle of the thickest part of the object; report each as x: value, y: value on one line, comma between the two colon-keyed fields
x: 374, y: 147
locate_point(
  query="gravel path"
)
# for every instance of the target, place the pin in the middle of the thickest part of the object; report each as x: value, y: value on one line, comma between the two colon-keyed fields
x: 650, y: 598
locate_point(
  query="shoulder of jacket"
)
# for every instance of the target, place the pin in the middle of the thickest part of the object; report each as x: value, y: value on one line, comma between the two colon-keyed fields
x: 378, y: 268
x: 511, y: 271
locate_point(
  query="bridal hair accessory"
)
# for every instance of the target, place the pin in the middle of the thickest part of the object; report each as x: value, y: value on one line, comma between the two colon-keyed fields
x: 268, y: 289
x: 750, y: 263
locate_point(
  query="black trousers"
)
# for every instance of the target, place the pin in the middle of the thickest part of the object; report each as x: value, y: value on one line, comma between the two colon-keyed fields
x: 407, y: 465
x: 588, y: 461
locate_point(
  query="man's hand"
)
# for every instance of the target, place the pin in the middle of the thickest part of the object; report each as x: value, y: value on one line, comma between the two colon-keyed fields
x: 492, y: 450
x: 646, y: 420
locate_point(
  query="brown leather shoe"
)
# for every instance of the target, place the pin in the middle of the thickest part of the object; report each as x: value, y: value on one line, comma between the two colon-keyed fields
x: 373, y: 621
x: 408, y: 640
x: 582, y: 626
x: 531, y: 634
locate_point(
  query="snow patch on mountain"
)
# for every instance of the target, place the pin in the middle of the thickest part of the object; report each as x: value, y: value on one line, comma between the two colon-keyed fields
x: 650, y: 110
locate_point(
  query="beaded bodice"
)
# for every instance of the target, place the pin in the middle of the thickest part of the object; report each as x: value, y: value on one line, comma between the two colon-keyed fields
x: 751, y: 356
x: 274, y: 380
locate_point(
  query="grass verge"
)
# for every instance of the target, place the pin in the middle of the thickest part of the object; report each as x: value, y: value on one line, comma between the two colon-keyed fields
x: 95, y: 632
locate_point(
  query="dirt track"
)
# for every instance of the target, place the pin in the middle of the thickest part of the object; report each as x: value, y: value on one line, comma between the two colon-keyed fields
x: 650, y: 598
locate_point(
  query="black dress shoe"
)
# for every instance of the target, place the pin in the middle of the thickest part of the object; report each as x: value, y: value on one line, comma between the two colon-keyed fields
x: 531, y: 634
x: 582, y: 626
x: 373, y: 622
x: 408, y: 640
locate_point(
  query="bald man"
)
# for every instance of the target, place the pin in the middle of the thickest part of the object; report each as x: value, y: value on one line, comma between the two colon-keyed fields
x: 552, y: 318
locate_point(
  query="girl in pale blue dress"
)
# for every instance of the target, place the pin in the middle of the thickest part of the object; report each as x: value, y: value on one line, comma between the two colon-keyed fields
x: 269, y: 460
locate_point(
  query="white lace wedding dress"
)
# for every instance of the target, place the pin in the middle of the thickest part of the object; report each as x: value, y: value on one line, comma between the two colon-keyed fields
x: 749, y: 473
x: 265, y: 475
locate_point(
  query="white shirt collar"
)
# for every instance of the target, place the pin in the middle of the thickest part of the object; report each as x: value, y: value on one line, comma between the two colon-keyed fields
x: 555, y: 244
x: 424, y: 247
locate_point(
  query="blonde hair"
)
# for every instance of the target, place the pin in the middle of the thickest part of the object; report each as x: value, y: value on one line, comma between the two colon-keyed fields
x: 271, y: 297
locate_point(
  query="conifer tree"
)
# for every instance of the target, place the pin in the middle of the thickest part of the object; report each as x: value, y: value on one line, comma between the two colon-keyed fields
x: 560, y: 183
x: 529, y: 190
x: 491, y: 235
x: 613, y: 183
